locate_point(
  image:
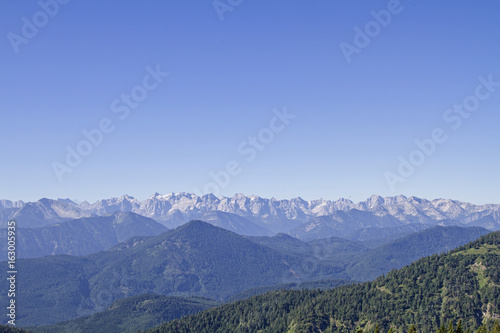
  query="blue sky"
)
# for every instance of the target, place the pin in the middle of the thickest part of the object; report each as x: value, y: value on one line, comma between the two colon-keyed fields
x: 353, y: 120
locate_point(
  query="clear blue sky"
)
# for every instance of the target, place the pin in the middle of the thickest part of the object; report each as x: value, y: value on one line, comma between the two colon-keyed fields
x: 353, y: 120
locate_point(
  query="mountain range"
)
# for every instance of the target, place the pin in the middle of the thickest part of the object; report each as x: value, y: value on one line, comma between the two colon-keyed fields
x: 81, y: 236
x: 194, y: 259
x: 460, y: 287
x: 198, y: 259
x: 256, y: 216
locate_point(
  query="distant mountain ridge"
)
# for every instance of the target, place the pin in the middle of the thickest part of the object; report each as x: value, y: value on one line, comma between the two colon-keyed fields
x: 262, y: 214
x: 81, y: 236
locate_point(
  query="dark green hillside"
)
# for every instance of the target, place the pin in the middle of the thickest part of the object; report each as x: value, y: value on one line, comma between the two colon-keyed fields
x: 283, y: 243
x: 50, y: 288
x: 336, y: 248
x: 132, y: 314
x: 461, y: 284
x: 198, y: 258
x: 325, y: 248
x: 194, y: 259
x: 322, y: 284
x: 363, y: 264
x: 405, y: 250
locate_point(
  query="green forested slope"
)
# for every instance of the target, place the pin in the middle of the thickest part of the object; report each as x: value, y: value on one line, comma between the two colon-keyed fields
x: 461, y: 284
x: 194, y: 259
x: 322, y: 284
x: 403, y: 251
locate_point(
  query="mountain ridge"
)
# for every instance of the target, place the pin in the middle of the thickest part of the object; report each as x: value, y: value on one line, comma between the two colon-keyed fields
x: 81, y: 236
x: 254, y: 215
x: 195, y: 259
x: 462, y: 284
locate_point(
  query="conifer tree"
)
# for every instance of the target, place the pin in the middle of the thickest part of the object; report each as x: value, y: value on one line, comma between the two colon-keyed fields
x: 459, y: 327
x: 450, y: 328
x: 413, y: 329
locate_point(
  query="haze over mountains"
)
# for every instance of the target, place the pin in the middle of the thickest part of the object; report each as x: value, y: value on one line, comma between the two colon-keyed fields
x: 194, y: 259
x: 81, y: 236
x: 83, y: 257
x: 256, y: 216
x: 198, y: 259
x: 463, y: 284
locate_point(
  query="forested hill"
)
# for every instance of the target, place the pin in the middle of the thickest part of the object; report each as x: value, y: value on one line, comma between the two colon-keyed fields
x: 461, y: 284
